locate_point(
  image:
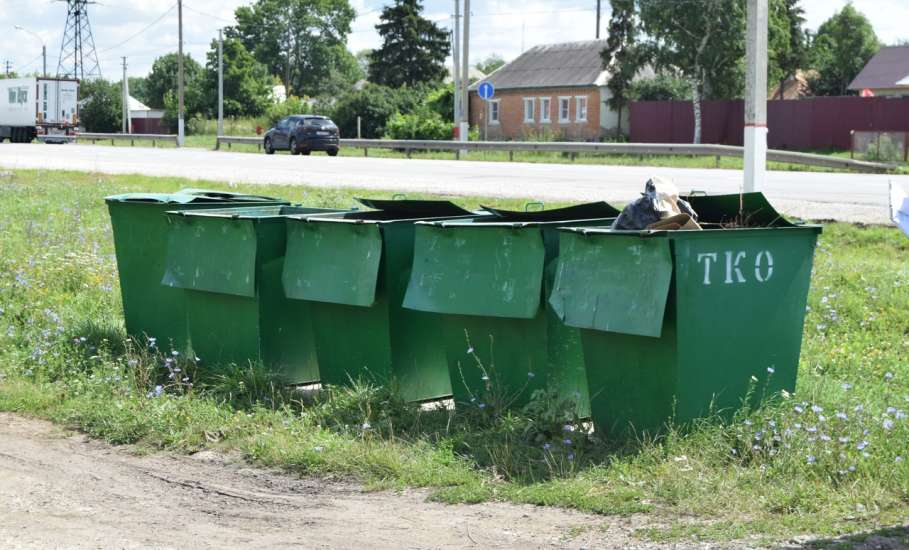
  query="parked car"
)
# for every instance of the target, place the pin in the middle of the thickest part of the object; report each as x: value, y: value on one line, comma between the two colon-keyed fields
x: 303, y: 134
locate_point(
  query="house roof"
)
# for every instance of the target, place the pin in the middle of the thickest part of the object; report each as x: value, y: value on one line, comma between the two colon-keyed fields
x: 552, y: 65
x: 887, y: 69
x: 136, y: 105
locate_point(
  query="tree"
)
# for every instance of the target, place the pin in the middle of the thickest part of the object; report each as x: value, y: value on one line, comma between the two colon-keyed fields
x: 138, y: 88
x: 413, y: 49
x: 792, y: 55
x: 491, y: 63
x: 622, y: 57
x: 375, y: 105
x: 302, y: 41
x: 101, y: 107
x: 841, y: 48
x: 247, y: 84
x: 363, y: 60
x: 662, y: 87
x: 163, y: 79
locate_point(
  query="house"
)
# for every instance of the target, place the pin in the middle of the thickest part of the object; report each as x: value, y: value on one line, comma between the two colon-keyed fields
x: 886, y: 74
x: 797, y: 86
x: 552, y: 90
x: 144, y: 119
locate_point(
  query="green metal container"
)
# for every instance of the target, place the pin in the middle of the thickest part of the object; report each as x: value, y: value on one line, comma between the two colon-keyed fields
x: 351, y: 271
x: 487, y: 280
x: 140, y: 241
x: 229, y: 263
x: 676, y: 323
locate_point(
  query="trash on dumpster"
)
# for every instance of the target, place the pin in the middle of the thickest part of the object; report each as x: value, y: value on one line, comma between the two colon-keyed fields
x: 674, y: 223
x: 899, y: 208
x: 659, y: 201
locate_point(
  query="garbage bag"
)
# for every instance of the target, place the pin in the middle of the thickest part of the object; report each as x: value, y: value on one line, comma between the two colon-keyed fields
x: 660, y: 200
x: 899, y: 208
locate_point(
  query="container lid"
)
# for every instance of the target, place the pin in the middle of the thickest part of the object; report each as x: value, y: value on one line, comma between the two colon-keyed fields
x: 187, y: 196
x: 587, y: 211
x: 410, y: 209
x: 750, y: 210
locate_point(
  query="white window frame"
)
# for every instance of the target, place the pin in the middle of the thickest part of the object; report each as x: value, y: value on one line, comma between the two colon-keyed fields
x: 498, y: 111
x: 546, y: 113
x: 578, y: 99
x: 567, y: 100
x: 533, y: 107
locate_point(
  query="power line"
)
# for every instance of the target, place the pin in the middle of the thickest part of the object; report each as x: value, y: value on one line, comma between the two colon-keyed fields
x: 199, y: 12
x: 146, y: 28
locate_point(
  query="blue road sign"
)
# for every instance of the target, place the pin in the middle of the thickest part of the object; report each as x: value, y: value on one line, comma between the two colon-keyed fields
x: 486, y: 90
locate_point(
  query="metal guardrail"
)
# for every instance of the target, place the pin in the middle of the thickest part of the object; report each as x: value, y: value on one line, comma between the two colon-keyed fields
x: 132, y: 138
x: 576, y: 148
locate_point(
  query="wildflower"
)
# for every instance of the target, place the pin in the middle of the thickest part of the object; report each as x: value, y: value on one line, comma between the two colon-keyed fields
x: 797, y: 426
x: 152, y: 342
x: 570, y: 456
x: 821, y: 418
x: 470, y: 350
x: 530, y: 375
x: 841, y: 415
x: 899, y: 415
x: 734, y: 452
x: 755, y: 447
x: 811, y: 459
x: 862, y: 444
x: 888, y: 424
x: 771, y: 370
x: 891, y: 410
x: 366, y: 426
x: 547, y: 446
x: 747, y: 422
x: 317, y: 449
x: 846, y: 386
x: 785, y: 394
x: 859, y: 408
x: 825, y: 437
x: 132, y: 362
x: 758, y: 436
x: 772, y: 424
x: 851, y: 468
x: 754, y: 378
x: 811, y: 429
x: 175, y: 353
x: 888, y: 376
x: 186, y: 378
x: 567, y: 428
x: 482, y: 405
x: 898, y: 459
x: 799, y: 409
x: 844, y: 439
x: 817, y: 408
x: 567, y: 442
x: 177, y: 369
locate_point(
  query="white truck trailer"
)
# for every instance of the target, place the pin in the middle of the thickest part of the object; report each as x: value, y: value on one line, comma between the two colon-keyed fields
x: 36, y: 106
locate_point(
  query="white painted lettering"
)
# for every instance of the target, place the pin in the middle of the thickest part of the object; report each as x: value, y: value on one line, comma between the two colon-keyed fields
x: 707, y: 257
x: 733, y: 266
x: 758, y: 264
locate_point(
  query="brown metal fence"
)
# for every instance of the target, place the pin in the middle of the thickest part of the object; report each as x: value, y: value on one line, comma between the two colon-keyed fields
x: 806, y: 124
x: 880, y: 146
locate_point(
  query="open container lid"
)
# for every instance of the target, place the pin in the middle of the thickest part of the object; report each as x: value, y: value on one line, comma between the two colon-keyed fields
x: 188, y: 196
x: 585, y: 211
x: 751, y: 208
x: 409, y: 209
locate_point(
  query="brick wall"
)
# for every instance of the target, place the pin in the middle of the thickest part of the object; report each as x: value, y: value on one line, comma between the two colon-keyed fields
x: 511, y: 124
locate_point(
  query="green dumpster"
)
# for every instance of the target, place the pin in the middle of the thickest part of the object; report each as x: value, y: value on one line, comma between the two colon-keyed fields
x: 228, y: 263
x: 487, y: 280
x: 674, y: 324
x: 351, y: 270
x: 140, y: 241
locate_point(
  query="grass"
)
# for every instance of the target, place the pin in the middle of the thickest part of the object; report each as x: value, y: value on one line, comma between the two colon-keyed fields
x: 671, y: 161
x: 64, y: 356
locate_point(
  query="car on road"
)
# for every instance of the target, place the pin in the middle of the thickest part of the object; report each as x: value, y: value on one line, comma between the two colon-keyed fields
x: 303, y: 134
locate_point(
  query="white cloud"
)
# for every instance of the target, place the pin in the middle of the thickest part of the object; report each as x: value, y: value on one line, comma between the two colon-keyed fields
x: 497, y: 26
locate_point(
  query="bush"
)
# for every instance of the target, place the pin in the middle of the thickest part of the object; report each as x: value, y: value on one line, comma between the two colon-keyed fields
x: 424, y: 124
x: 292, y: 106
x: 375, y: 105
x: 662, y: 87
x: 101, y: 110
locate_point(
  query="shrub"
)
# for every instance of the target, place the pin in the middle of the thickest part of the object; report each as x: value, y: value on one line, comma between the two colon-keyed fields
x: 424, y: 124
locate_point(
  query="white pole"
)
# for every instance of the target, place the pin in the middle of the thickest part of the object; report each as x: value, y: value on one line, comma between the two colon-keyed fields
x: 180, y: 129
x: 465, y: 76
x: 220, y: 83
x: 756, y: 96
x: 125, y: 93
x: 456, y: 61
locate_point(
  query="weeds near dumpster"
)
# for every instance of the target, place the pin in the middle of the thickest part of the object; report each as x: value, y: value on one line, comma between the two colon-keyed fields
x: 775, y: 471
x: 495, y: 397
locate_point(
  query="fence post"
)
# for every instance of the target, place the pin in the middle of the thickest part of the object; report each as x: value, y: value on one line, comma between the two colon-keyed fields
x: 154, y: 143
x: 717, y: 161
x: 132, y: 143
x: 217, y: 144
x: 852, y: 144
x: 365, y: 151
x: 510, y: 156
x: 408, y: 152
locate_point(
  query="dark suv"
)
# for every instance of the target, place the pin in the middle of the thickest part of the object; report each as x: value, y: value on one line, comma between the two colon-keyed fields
x: 303, y: 134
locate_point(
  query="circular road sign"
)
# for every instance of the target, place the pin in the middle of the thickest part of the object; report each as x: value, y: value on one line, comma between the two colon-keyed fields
x: 486, y: 90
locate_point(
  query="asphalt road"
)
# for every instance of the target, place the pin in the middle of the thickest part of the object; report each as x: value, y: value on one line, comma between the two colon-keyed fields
x: 814, y: 195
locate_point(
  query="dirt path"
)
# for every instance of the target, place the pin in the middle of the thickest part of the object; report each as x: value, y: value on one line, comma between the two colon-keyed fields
x: 59, y: 490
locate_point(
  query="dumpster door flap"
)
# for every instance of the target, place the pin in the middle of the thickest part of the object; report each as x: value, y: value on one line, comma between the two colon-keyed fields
x: 332, y: 261
x: 488, y: 270
x: 211, y: 253
x: 613, y: 283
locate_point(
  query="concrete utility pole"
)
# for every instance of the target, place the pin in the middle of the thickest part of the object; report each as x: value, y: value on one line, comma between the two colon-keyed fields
x: 220, y: 82
x: 756, y: 96
x: 465, y: 76
x: 456, y: 60
x: 43, y: 47
x: 598, y: 19
x: 180, y: 130
x: 127, y: 123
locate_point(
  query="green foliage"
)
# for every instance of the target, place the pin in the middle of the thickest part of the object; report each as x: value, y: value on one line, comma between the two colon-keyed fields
x: 492, y: 62
x: 841, y: 48
x: 163, y: 80
x: 102, y: 106
x: 441, y: 102
x: 662, y: 87
x: 413, y: 48
x: 247, y: 84
x: 420, y: 124
x: 788, y: 46
x: 301, y: 41
x: 885, y: 149
x: 375, y: 105
x: 292, y: 106
x: 622, y: 57
x: 138, y: 88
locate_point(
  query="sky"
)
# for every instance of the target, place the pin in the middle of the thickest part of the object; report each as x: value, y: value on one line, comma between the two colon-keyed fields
x: 145, y: 29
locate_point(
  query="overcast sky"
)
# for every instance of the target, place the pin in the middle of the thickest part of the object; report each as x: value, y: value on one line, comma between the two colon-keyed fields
x: 145, y: 29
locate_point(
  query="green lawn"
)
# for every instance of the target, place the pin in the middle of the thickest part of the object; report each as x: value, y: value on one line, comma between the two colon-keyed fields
x: 841, y: 464
x: 672, y: 161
